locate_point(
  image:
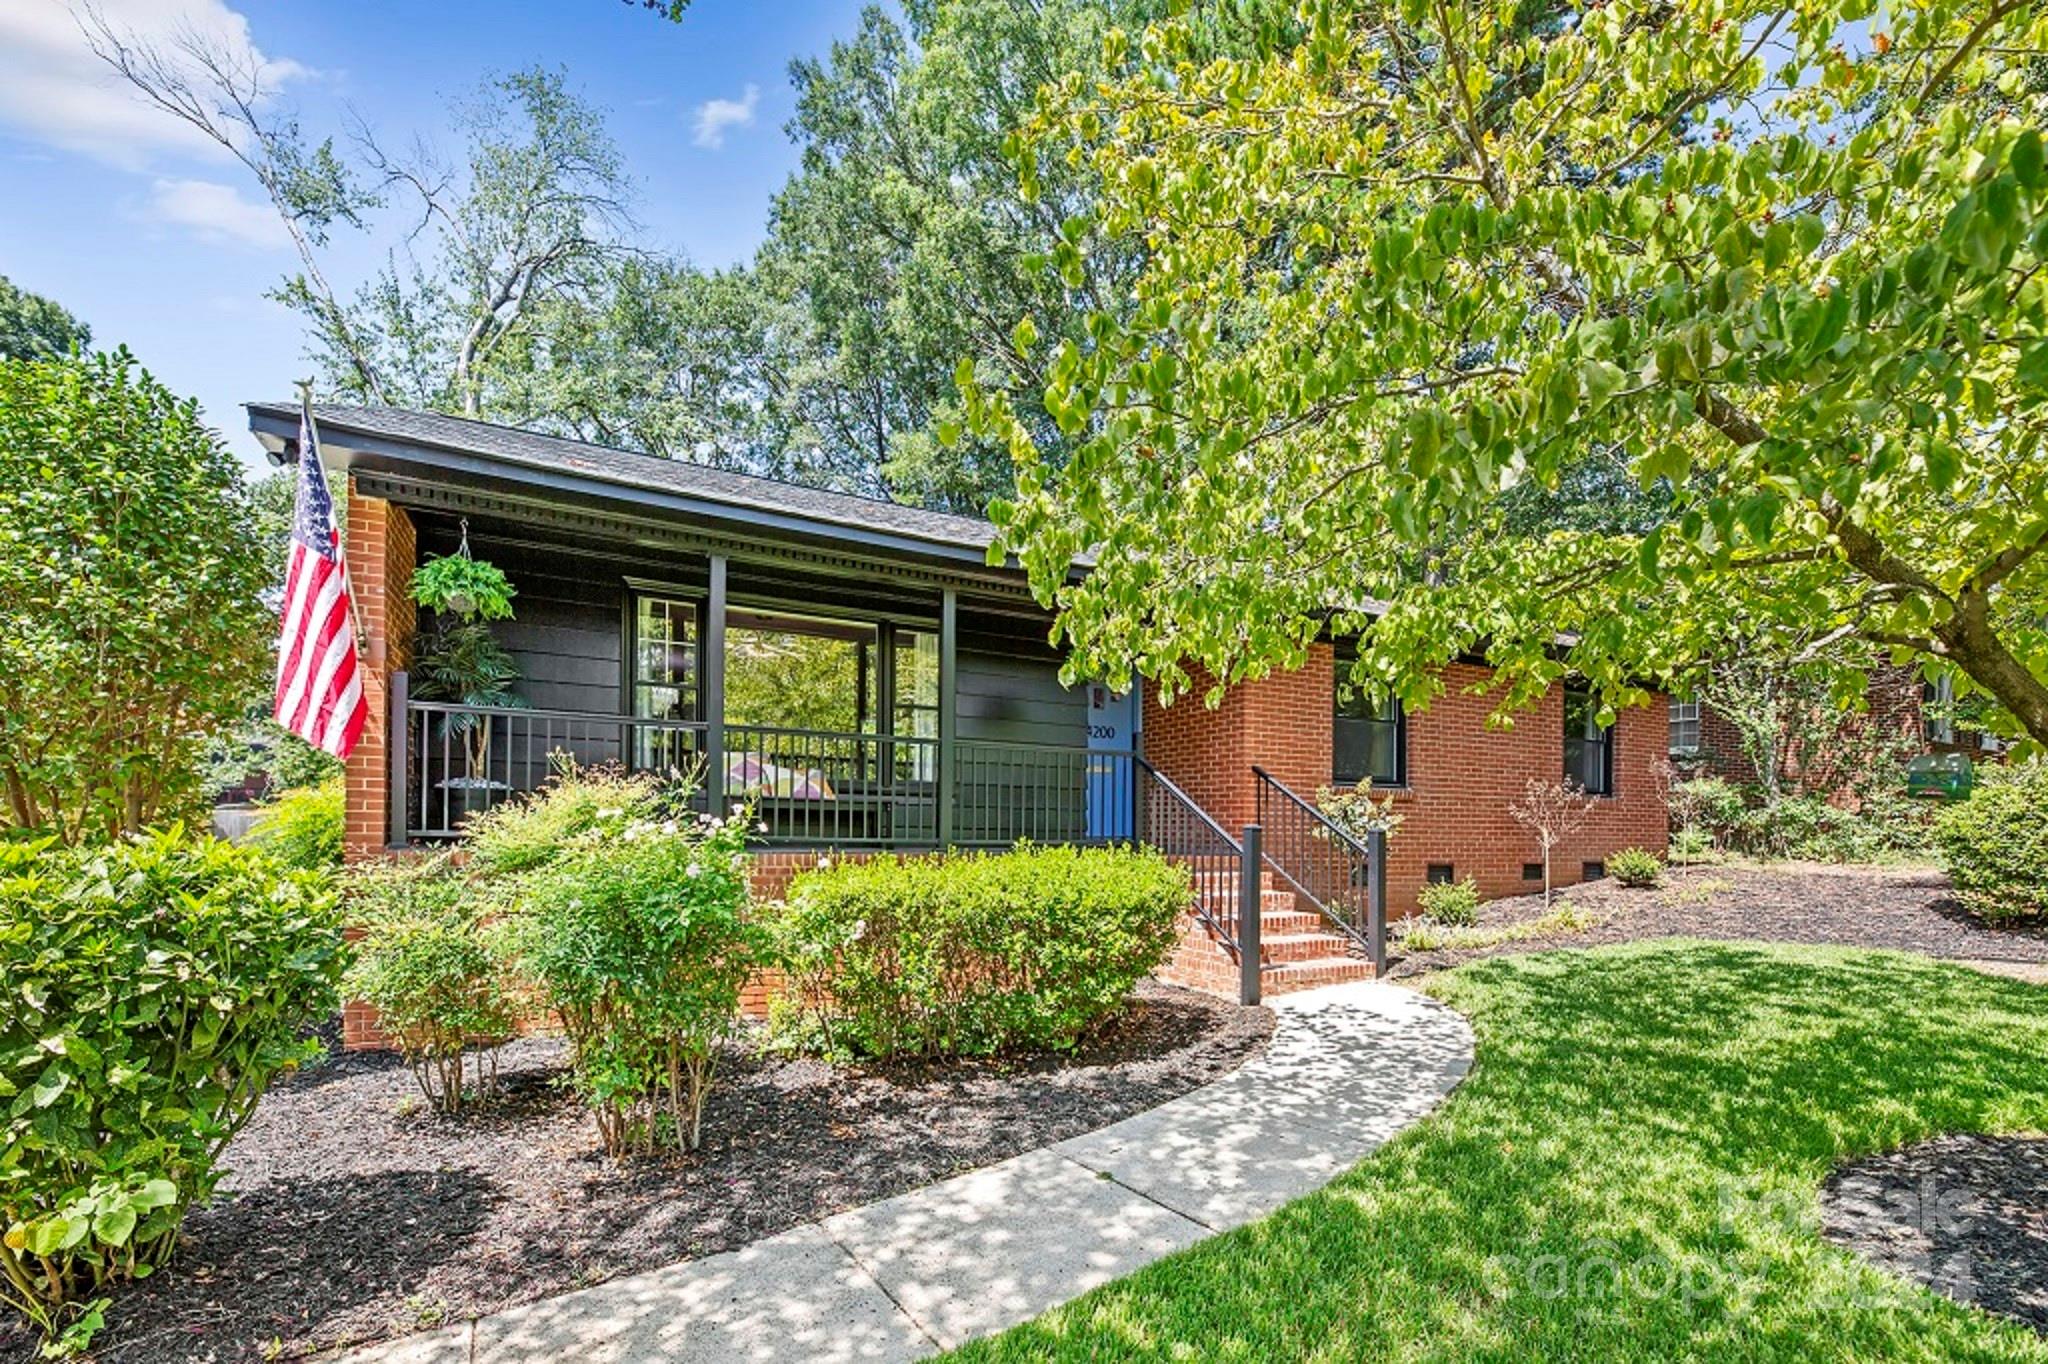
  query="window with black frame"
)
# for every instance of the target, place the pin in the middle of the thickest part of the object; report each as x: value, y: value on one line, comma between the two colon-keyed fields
x: 664, y: 661
x: 1368, y: 739
x: 1588, y: 744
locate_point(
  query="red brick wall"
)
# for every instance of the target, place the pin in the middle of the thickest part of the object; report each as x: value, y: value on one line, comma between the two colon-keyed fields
x: 1281, y: 722
x: 1462, y: 776
x: 380, y: 546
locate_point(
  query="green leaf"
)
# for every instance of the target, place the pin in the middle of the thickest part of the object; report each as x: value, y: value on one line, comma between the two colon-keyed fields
x: 1601, y: 378
x: 2026, y: 159
x: 114, y: 1226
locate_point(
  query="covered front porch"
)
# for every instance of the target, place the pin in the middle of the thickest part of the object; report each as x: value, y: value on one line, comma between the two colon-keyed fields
x: 849, y: 707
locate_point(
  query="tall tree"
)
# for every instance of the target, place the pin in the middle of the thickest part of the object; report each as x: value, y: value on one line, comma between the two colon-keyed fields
x: 132, y: 621
x: 1787, y: 265
x: 906, y: 242
x: 36, y: 328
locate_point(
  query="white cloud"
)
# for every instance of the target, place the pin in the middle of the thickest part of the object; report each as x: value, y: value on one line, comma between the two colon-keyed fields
x: 714, y: 116
x: 216, y: 213
x: 55, y: 91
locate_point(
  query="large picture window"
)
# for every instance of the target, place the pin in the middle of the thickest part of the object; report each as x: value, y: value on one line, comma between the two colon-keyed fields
x: 1588, y: 744
x: 1369, y: 741
x: 799, y: 672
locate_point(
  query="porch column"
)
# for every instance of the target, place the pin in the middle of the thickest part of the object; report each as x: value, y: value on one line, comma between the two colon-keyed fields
x: 711, y: 669
x: 949, y: 697
x: 380, y: 547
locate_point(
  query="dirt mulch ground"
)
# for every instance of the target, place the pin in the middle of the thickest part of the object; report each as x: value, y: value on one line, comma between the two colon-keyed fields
x: 1966, y: 1216
x: 352, y: 1215
x: 1909, y: 909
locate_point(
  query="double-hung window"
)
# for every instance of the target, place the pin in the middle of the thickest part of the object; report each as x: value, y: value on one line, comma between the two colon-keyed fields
x: 1685, y: 727
x: 1588, y: 744
x: 1369, y: 740
x: 664, y: 682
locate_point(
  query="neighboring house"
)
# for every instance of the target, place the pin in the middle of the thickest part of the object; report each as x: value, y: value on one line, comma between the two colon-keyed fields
x: 859, y: 670
x: 1916, y: 716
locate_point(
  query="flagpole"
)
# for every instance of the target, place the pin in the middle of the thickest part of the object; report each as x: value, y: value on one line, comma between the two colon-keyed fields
x: 355, y: 612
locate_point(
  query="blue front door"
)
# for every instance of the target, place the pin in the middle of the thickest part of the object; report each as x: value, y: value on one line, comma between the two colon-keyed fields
x: 1112, y: 735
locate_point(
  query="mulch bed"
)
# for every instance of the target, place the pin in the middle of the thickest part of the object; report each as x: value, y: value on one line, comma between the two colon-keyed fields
x: 1909, y: 909
x: 1966, y: 1216
x: 352, y: 1214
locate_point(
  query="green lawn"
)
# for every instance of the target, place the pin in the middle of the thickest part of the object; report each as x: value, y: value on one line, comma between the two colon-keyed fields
x: 1669, y: 1108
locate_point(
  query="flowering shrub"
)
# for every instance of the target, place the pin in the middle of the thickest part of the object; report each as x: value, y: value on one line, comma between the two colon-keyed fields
x: 975, y: 953
x: 426, y: 965
x: 154, y: 988
x: 522, y: 834
x: 636, y: 932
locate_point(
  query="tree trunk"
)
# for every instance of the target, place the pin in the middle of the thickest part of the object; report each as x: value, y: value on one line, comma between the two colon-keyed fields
x: 1975, y: 647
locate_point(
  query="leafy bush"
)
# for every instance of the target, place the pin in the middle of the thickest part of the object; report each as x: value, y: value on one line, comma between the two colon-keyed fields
x: 304, y: 828
x: 1635, y: 868
x: 637, y: 934
x: 522, y: 834
x: 1454, y: 904
x: 1691, y: 845
x: 1709, y: 803
x: 975, y: 953
x: 425, y: 964
x: 1743, y: 819
x: 1995, y: 844
x: 155, y: 987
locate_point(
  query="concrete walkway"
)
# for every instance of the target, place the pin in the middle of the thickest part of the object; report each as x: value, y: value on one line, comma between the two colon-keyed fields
x: 1348, y: 1067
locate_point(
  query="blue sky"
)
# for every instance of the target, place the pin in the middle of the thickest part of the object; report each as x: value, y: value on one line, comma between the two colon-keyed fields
x: 108, y: 208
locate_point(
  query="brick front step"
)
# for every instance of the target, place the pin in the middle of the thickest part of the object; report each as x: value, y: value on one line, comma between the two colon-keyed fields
x: 1273, y: 923
x: 1275, y: 948
x: 1307, y: 975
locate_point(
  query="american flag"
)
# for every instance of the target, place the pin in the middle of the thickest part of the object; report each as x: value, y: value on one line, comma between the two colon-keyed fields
x: 319, y: 680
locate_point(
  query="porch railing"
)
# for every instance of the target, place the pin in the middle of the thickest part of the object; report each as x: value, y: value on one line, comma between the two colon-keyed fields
x: 818, y: 788
x: 456, y: 761
x: 1343, y: 878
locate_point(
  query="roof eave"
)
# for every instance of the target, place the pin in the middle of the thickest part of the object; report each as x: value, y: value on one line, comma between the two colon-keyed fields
x: 348, y: 449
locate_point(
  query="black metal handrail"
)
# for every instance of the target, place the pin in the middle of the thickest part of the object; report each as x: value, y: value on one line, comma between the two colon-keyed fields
x: 1169, y: 821
x: 1344, y: 879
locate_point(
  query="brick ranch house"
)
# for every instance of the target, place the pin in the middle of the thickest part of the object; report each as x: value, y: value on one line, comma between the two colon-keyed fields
x: 860, y: 670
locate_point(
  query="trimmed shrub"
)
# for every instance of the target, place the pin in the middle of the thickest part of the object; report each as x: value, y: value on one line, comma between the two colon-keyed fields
x: 1635, y: 868
x: 1995, y: 844
x: 637, y: 934
x: 303, y: 828
x: 976, y: 953
x: 1454, y: 904
x: 154, y: 988
x: 425, y: 964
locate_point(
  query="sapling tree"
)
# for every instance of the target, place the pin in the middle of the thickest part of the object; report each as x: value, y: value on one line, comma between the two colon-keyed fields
x: 1553, y: 811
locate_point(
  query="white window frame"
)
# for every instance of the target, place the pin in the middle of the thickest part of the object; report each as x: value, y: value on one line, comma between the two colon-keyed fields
x: 1685, y: 714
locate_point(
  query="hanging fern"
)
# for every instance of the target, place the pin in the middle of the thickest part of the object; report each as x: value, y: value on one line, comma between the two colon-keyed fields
x: 471, y: 588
